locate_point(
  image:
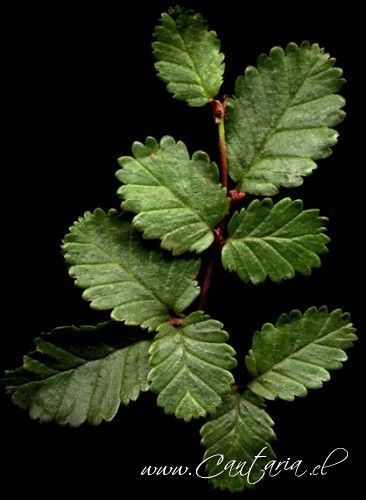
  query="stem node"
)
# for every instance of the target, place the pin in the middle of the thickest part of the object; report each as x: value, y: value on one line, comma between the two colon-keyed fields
x: 236, y: 196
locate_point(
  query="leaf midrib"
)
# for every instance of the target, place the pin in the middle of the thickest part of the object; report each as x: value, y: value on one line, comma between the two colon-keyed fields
x: 273, y: 130
x: 238, y: 421
x: 274, y: 238
x: 278, y: 363
x: 125, y: 269
x: 206, y: 93
x: 162, y: 183
x: 186, y: 353
x: 60, y: 372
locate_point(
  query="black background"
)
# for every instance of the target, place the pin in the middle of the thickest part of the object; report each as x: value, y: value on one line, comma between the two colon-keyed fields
x: 78, y: 86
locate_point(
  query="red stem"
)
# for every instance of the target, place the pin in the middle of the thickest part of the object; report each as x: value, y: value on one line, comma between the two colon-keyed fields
x: 206, y: 282
x: 218, y: 109
x: 219, y: 112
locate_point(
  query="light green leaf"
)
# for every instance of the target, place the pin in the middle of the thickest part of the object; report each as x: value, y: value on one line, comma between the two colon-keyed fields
x: 234, y: 435
x: 76, y: 375
x: 189, y: 57
x: 274, y: 241
x: 177, y: 199
x: 142, y: 286
x: 190, y: 366
x: 296, y: 353
x: 280, y: 119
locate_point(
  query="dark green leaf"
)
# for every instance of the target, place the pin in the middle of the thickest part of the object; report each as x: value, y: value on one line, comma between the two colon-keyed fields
x: 274, y: 241
x: 237, y: 432
x: 74, y: 376
x: 190, y: 366
x: 189, y: 57
x: 177, y: 199
x: 296, y: 353
x: 280, y: 119
x: 142, y: 286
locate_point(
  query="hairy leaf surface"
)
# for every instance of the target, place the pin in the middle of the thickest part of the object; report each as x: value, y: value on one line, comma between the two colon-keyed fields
x: 76, y: 375
x: 190, y: 366
x: 141, y: 286
x: 188, y: 56
x: 236, y: 433
x: 281, y: 118
x: 177, y: 199
x: 297, y: 352
x: 274, y: 241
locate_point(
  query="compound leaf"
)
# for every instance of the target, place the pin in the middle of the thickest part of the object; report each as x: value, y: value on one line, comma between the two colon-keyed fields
x: 237, y: 432
x: 280, y: 119
x: 76, y: 375
x: 190, y: 364
x: 296, y: 353
x: 177, y: 199
x: 142, y: 286
x: 274, y: 241
x: 188, y: 56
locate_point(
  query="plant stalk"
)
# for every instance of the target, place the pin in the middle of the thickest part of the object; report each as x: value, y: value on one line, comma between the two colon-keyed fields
x: 223, y: 152
x: 207, y: 278
x: 218, y: 109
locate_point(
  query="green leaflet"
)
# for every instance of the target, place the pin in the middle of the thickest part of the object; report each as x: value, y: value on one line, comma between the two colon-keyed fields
x: 177, y: 199
x: 188, y: 56
x: 296, y: 353
x: 274, y: 241
x: 74, y: 375
x: 142, y: 286
x: 238, y: 431
x: 190, y: 366
x: 280, y: 119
